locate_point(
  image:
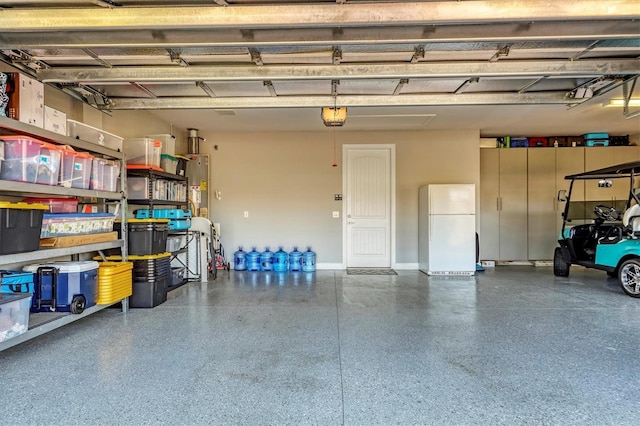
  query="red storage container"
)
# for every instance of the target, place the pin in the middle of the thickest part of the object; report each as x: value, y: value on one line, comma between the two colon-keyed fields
x: 56, y: 205
x: 537, y: 141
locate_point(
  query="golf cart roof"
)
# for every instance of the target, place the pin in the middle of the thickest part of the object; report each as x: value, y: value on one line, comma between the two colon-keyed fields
x: 617, y: 171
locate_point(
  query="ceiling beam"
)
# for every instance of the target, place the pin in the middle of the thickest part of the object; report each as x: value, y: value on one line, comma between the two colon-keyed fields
x: 166, y: 38
x: 343, y: 71
x: 342, y: 100
x: 315, y: 15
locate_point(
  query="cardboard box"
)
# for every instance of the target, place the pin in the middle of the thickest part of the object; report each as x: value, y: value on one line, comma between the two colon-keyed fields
x: 26, y: 99
x: 77, y: 240
x: 55, y: 121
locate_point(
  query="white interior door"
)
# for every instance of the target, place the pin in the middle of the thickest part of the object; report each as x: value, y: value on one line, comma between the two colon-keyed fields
x: 368, y: 206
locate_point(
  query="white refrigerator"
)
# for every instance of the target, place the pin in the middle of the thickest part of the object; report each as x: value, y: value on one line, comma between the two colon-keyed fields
x: 447, y: 229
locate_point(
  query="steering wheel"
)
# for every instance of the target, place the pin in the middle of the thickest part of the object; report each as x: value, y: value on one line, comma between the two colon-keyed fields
x: 606, y: 213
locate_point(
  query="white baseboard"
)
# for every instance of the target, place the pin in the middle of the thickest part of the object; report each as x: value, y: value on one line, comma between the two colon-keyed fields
x: 324, y: 266
x: 406, y: 266
x: 342, y: 266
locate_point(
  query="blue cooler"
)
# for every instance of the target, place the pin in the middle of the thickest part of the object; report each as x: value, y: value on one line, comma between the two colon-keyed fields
x: 64, y: 286
x: 16, y: 282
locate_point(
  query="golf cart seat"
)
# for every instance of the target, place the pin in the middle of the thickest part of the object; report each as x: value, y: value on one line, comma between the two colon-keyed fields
x: 631, y: 220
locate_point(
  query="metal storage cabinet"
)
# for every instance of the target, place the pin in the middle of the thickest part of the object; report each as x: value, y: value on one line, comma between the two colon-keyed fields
x: 503, y: 204
x: 546, y: 169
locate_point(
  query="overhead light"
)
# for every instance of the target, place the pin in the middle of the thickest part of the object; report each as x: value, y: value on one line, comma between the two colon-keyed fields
x: 334, y: 116
x: 619, y: 103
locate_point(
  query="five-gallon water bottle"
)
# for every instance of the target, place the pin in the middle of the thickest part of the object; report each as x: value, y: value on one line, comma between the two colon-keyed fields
x: 280, y: 261
x: 253, y: 260
x: 240, y: 260
x: 308, y: 261
x: 266, y: 260
x: 295, y: 260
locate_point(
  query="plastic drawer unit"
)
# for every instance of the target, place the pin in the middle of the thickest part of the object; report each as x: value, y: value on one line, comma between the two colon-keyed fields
x: 65, y: 286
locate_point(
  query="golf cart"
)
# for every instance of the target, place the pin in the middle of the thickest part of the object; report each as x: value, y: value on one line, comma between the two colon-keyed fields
x: 601, y: 234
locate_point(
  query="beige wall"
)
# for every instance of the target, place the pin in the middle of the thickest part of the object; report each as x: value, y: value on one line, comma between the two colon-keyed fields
x: 286, y: 183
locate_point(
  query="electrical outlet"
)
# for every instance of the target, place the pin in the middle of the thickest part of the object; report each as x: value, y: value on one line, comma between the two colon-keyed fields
x: 336, y: 214
x: 246, y: 213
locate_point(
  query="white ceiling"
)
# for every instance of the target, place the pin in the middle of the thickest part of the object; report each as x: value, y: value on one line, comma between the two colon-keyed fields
x: 504, y: 67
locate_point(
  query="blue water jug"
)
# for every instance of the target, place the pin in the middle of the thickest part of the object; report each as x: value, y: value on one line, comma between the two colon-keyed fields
x: 280, y: 261
x: 308, y: 261
x: 295, y: 260
x: 266, y: 260
x: 240, y: 260
x: 253, y: 260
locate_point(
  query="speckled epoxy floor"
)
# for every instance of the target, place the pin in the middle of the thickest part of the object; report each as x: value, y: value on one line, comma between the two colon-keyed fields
x: 511, y: 346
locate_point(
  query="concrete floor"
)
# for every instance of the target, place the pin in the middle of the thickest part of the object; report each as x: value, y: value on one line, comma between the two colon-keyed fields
x: 511, y: 346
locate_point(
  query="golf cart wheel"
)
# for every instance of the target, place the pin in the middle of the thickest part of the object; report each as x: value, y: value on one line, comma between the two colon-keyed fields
x: 560, y: 266
x: 629, y: 277
x: 78, y: 304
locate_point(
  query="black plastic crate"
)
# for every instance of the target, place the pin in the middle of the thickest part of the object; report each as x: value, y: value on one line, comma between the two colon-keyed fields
x: 20, y: 227
x: 146, y: 236
x: 148, y: 293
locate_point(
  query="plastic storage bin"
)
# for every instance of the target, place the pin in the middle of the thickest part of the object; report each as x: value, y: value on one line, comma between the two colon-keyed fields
x: 168, y: 143
x: 48, y: 172
x: 65, y: 286
x: 147, y: 236
x: 21, y: 158
x: 14, y: 315
x: 519, y: 142
x: 104, y: 175
x: 56, y: 205
x: 82, y: 131
x: 20, y: 227
x: 538, y: 141
x: 59, y: 225
x: 177, y: 276
x: 138, y: 188
x: 174, y: 243
x: 151, y: 279
x: 168, y: 163
x: 144, y: 151
x: 16, y: 282
x: 76, y: 169
x: 115, y: 282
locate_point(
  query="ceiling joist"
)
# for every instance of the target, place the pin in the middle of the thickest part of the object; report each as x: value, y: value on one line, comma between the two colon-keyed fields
x: 314, y: 15
x: 344, y: 71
